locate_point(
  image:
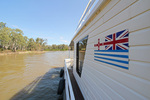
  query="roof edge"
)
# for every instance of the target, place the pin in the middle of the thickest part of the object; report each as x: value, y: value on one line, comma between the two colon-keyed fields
x: 100, y: 5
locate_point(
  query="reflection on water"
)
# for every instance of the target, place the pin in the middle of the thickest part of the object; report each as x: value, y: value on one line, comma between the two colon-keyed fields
x: 28, y: 76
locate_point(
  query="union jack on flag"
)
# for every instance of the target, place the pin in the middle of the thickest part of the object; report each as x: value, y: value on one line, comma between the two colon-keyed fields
x: 117, y: 41
x: 113, y: 50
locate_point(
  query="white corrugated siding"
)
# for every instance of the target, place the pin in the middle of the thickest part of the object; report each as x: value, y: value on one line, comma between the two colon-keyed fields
x: 106, y: 82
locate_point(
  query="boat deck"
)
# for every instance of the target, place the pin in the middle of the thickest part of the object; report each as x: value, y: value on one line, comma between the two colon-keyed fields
x: 77, y: 93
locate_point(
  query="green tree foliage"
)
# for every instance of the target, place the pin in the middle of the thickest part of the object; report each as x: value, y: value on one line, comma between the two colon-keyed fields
x: 17, y: 39
x: 31, y: 44
x: 5, y: 37
x: 25, y: 42
x: 2, y: 25
x: 54, y: 47
x: 13, y: 39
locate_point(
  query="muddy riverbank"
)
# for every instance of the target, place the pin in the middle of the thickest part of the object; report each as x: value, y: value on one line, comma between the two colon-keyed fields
x: 19, y: 52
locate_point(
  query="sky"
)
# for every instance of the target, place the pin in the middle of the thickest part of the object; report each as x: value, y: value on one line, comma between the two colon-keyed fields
x: 54, y: 20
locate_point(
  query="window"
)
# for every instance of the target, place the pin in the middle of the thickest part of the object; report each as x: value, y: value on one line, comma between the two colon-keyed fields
x: 80, y: 53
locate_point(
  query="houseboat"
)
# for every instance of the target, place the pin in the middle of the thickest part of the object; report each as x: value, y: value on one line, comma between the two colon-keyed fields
x: 111, y: 52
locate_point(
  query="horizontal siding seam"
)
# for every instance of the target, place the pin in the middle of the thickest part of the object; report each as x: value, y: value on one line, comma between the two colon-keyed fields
x: 139, y: 61
x: 139, y: 45
x: 111, y: 18
x: 93, y: 88
x: 102, y: 63
x: 86, y: 86
x: 124, y: 72
x: 114, y: 80
x: 131, y: 89
x: 106, y: 85
x: 80, y: 86
x: 83, y: 85
x: 140, y: 29
x: 105, y: 82
x: 130, y: 32
x: 120, y: 23
x: 129, y: 46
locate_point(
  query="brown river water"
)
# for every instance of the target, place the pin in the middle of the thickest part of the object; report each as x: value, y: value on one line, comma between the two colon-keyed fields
x: 31, y: 76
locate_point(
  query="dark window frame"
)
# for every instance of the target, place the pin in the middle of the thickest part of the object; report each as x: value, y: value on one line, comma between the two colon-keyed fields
x: 78, y: 66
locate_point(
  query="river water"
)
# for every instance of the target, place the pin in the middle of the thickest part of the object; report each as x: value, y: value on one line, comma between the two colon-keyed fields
x: 31, y: 76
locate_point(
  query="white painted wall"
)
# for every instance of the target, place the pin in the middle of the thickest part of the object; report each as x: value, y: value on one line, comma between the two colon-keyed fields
x: 104, y: 82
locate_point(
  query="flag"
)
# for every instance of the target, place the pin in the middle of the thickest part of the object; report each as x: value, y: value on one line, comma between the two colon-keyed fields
x: 115, y: 52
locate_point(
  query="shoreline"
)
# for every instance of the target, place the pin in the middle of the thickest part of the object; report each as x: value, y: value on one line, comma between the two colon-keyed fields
x: 20, y: 52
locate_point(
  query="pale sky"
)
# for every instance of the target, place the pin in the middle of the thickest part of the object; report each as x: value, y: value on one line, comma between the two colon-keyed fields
x: 54, y: 20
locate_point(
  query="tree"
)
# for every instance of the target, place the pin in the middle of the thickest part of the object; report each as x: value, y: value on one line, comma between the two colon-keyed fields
x: 2, y: 25
x: 17, y: 39
x: 31, y: 44
x: 40, y: 44
x: 13, y: 39
x: 37, y: 44
x: 5, y: 37
x: 21, y: 42
x: 26, y: 42
x: 54, y: 47
x: 44, y: 44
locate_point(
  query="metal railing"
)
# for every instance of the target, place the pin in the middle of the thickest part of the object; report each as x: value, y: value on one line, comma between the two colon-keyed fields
x: 86, y: 12
x: 68, y: 86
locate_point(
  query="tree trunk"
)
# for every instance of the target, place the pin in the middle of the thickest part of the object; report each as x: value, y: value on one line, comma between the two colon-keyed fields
x: 14, y: 49
x: 3, y: 48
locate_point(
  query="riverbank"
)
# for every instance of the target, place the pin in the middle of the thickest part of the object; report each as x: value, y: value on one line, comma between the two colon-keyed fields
x: 19, y: 52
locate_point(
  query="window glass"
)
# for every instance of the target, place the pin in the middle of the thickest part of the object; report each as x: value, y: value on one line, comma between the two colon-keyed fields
x: 81, y: 48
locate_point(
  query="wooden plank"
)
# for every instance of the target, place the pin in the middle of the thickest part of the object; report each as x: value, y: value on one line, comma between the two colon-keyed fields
x: 116, y: 17
x: 140, y: 37
x: 139, y: 7
x: 118, y: 87
x: 91, y: 87
x: 84, y: 85
x: 123, y: 15
x: 140, y: 53
x: 109, y: 15
x: 104, y: 90
x: 124, y: 78
x: 140, y: 69
x: 86, y: 90
x: 122, y: 5
x: 134, y: 66
x: 139, y: 22
x: 89, y: 52
x: 133, y: 9
x: 81, y: 84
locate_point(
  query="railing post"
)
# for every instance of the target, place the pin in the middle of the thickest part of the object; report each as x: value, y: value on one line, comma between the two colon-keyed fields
x: 68, y: 86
